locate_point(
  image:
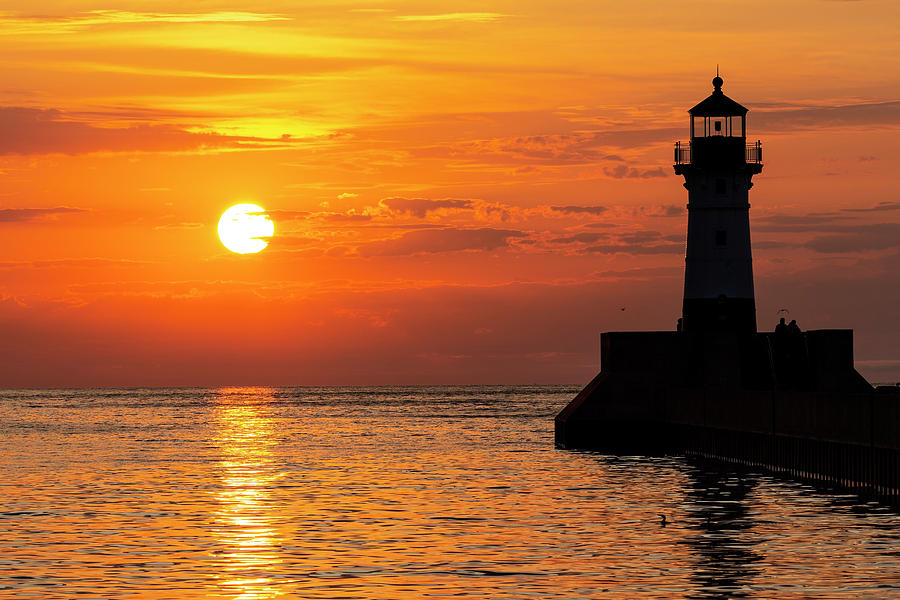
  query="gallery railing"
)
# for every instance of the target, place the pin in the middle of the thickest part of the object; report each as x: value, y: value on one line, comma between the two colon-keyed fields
x: 683, y: 155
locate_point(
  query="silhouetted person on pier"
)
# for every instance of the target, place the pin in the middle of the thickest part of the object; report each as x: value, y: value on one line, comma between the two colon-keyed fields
x: 781, y: 328
x: 790, y: 356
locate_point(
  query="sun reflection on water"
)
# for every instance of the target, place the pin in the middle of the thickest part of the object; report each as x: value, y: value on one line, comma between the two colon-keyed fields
x: 247, y: 523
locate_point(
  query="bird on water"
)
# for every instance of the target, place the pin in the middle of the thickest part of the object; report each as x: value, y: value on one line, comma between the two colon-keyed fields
x: 662, y: 520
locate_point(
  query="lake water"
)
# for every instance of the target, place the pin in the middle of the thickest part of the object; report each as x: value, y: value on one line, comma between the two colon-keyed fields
x: 395, y: 493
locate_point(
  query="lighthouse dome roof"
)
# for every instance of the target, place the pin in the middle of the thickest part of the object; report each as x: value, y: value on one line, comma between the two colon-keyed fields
x: 718, y: 104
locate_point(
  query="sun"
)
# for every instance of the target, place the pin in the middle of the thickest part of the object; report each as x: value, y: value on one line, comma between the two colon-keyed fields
x: 242, y: 226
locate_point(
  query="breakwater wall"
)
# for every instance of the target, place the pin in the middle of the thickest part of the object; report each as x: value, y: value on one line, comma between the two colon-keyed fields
x: 670, y: 393
x: 847, y: 441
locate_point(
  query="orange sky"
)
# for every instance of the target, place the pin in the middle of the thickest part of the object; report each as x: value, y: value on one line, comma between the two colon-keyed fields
x: 463, y: 192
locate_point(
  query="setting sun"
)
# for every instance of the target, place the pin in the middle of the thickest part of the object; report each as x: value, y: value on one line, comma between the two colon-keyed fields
x: 243, y: 226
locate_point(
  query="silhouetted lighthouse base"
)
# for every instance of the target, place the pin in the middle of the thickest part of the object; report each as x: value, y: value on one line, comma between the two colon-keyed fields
x: 788, y: 401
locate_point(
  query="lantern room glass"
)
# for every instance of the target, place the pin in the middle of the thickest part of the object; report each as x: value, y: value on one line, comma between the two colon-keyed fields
x: 734, y: 126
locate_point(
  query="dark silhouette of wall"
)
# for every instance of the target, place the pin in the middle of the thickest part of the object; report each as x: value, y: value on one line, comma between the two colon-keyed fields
x: 790, y: 402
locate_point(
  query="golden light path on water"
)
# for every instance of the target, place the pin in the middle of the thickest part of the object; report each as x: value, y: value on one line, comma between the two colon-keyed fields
x: 248, y: 524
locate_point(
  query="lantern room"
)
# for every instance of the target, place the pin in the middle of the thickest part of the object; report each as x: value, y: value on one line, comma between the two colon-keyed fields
x: 718, y: 134
x: 718, y: 116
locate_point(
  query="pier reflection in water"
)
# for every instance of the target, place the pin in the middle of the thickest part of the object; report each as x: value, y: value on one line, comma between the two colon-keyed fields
x: 723, y: 543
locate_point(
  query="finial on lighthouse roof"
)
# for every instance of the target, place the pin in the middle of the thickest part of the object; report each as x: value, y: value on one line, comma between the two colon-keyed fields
x: 718, y: 104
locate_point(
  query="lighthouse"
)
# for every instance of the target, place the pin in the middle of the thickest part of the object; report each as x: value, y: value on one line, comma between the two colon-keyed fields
x: 718, y: 167
x: 786, y: 400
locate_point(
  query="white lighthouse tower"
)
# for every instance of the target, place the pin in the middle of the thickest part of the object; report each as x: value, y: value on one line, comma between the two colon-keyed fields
x: 718, y: 168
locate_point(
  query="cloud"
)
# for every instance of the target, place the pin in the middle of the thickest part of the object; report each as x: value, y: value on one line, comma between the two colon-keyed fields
x: 837, y: 232
x: 622, y: 171
x: 635, y: 242
x: 878, y: 236
x: 420, y: 207
x: 472, y: 17
x: 22, y: 24
x: 572, y: 209
x: 770, y: 245
x: 66, y: 263
x: 304, y: 215
x: 813, y: 222
x: 876, y: 113
x: 881, y: 206
x: 548, y: 149
x: 665, y: 210
x: 641, y: 237
x: 50, y: 131
x: 296, y: 241
x: 636, y: 138
x: 636, y: 248
x: 20, y: 215
x: 347, y: 217
x: 843, y: 220
x: 481, y: 139
x: 290, y: 215
x: 433, y: 241
x: 181, y: 225
x: 585, y: 237
x: 118, y: 16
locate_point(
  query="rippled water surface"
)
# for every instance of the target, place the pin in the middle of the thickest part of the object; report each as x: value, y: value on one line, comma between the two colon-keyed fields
x: 395, y: 493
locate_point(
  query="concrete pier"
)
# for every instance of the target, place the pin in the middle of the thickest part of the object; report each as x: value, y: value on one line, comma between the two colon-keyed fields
x: 738, y: 398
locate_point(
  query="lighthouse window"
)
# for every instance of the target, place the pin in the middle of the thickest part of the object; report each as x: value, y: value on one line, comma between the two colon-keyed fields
x: 718, y: 126
x: 720, y: 186
x: 698, y: 127
x: 721, y: 238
